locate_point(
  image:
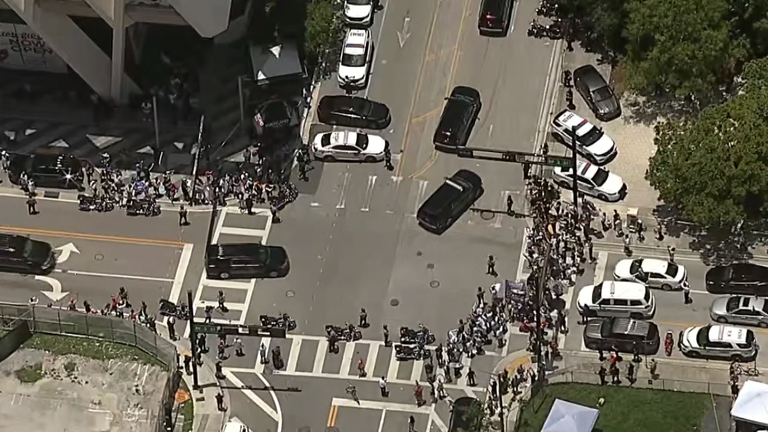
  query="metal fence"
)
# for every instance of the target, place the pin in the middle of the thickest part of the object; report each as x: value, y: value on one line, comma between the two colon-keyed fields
x: 112, y: 329
x: 589, y: 377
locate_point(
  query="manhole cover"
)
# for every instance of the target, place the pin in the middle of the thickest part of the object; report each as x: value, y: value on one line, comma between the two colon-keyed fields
x: 419, y: 253
x: 394, y: 302
x: 434, y: 283
x: 290, y: 293
x: 487, y: 214
x: 98, y: 257
x: 430, y: 266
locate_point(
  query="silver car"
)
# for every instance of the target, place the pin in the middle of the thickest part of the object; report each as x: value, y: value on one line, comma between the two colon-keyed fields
x: 740, y: 310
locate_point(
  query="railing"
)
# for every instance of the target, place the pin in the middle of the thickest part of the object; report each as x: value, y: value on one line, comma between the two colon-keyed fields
x: 588, y: 377
x: 116, y: 330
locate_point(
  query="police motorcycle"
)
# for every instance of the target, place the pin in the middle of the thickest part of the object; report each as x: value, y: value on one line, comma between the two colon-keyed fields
x: 347, y: 333
x: 171, y: 309
x: 102, y: 203
x: 282, y: 320
x: 422, y: 335
x: 142, y: 207
x: 411, y: 352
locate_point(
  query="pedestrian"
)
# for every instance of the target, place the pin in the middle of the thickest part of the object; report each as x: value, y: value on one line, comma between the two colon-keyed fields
x: 510, y: 203
x: 604, y: 221
x: 363, y: 318
x: 636, y: 352
x: 471, y: 378
x: 480, y: 296
x: 303, y: 170
x: 411, y: 424
x: 275, y: 214
x: 590, y: 249
x: 491, y: 268
x: 220, y: 401
x: 208, y: 314
x: 383, y: 387
x: 388, y: 159
x: 418, y: 394
x: 220, y: 299
x: 188, y: 363
x: 617, y: 222
x: 31, y: 204
x: 441, y: 389
x: 735, y: 390
x: 615, y: 374
x: 221, y: 350
x: 172, y: 328
x: 631, y: 373
x: 584, y: 314
x: 239, y: 347
x: 183, y: 221
x: 361, y: 368
x: 671, y: 252
x: 686, y: 293
x: 601, y: 374
x: 263, y: 354
x: 202, y: 345
x: 659, y: 231
x: 387, y: 342
x: 627, y: 245
x: 652, y: 367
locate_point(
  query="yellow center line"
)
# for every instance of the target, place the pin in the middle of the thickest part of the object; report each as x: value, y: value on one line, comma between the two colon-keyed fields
x: 332, y: 416
x: 96, y: 237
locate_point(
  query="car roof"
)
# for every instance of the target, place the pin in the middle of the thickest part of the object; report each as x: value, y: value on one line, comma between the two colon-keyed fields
x: 590, y: 76
x: 730, y: 334
x: 570, y: 119
x: 650, y: 265
x: 356, y: 41
x: 631, y: 326
x: 469, y: 176
x: 622, y: 290
x: 342, y: 137
x: 751, y: 302
x: 493, y: 7
x: 234, y: 249
x: 466, y: 92
x: 233, y: 426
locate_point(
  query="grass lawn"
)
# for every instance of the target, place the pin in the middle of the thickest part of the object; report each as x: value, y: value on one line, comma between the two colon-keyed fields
x: 626, y: 409
x: 90, y: 348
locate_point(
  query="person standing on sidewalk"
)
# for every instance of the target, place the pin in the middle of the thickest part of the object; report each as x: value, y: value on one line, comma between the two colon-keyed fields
x: 220, y: 401
x: 671, y: 252
x: 686, y: 293
x: 601, y: 374
x: 183, y: 221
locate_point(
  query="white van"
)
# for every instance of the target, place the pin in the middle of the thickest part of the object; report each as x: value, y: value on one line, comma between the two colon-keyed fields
x: 617, y: 298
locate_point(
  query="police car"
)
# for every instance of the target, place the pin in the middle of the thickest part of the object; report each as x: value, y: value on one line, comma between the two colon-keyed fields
x: 348, y: 146
x: 718, y: 341
x: 591, y: 141
x: 592, y: 180
x: 356, y: 57
x: 358, y: 12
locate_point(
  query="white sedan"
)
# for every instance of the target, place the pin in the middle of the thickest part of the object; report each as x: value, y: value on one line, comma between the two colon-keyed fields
x: 592, y: 180
x: 356, y: 57
x: 651, y: 272
x: 349, y: 146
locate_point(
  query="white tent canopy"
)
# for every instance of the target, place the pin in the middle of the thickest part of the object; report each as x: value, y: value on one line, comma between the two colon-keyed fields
x: 752, y: 403
x: 570, y: 417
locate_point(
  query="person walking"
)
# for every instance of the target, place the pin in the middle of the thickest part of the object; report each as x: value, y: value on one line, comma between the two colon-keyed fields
x: 471, y: 376
x: 183, y: 221
x: 615, y: 374
x: 220, y: 299
x: 686, y: 293
x: 510, y: 204
x: 383, y: 387
x: 418, y: 394
x: 239, y: 347
x: 361, y: 368
x: 491, y: 267
x: 636, y: 352
x: 220, y: 401
x: 172, y: 328
x: 31, y: 204
x: 388, y: 159
x: 601, y: 373
x: 652, y: 366
x: 631, y: 373
x: 671, y: 252
x: 411, y: 424
x: 263, y: 354
x: 590, y: 249
x: 385, y: 330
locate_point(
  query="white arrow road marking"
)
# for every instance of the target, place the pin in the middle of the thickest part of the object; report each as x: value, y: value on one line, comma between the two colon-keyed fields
x: 250, y: 394
x: 404, y: 34
x: 65, y: 252
x: 55, y: 294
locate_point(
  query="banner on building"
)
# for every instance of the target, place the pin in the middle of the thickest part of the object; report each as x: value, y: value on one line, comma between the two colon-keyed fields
x: 22, y: 48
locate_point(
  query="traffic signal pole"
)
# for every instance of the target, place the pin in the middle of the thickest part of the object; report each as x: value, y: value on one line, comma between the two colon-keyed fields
x: 572, y: 133
x: 192, y: 341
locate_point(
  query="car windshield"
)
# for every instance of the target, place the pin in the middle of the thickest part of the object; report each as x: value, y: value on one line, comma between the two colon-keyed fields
x: 359, y: 2
x: 702, y: 338
x: 733, y: 303
x: 672, y: 269
x: 353, y: 60
x: 362, y: 141
x: 591, y: 136
x: 596, y: 293
x: 600, y: 177
x: 29, y: 249
x: 325, y: 141
x: 602, y: 94
x: 636, y: 266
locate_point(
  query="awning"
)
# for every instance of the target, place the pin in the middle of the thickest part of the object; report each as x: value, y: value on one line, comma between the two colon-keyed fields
x: 570, y: 417
x: 752, y: 403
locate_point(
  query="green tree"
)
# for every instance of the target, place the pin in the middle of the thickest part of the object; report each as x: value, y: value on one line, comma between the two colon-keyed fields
x: 323, y: 32
x: 478, y: 420
x: 682, y: 47
x: 713, y: 168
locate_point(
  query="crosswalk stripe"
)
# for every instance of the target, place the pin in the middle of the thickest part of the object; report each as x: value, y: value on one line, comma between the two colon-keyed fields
x: 418, y: 367
x: 226, y: 284
x: 231, y: 306
x: 394, y: 366
x: 293, y: 360
x: 248, y: 232
x: 370, y: 362
x: 322, y: 348
x: 259, y: 367
x: 346, y: 360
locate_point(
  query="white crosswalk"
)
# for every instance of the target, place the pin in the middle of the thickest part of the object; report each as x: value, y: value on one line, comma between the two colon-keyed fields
x: 207, y: 289
x: 315, y: 348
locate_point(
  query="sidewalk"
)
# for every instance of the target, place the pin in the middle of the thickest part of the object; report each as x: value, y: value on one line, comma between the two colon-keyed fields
x: 207, y: 416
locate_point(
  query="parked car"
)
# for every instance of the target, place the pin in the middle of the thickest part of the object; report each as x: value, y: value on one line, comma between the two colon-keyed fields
x: 353, y: 111
x: 446, y: 204
x: 596, y: 92
x: 590, y: 141
x: 740, y: 310
x: 494, y: 17
x: 616, y: 299
x: 356, y: 58
x: 348, y: 146
x: 652, y: 272
x: 458, y: 118
x: 592, y: 180
x: 358, y: 12
x: 738, y: 278
x: 718, y: 341
x: 48, y: 168
x: 623, y: 334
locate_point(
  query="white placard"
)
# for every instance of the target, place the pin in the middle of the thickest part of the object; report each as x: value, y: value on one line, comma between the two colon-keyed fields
x: 22, y: 48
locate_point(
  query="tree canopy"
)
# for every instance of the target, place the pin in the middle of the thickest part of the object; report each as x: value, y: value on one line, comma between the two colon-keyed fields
x: 714, y: 168
x: 323, y: 31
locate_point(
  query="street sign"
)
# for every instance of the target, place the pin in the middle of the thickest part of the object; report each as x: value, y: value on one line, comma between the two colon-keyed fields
x: 514, y: 157
x: 207, y: 328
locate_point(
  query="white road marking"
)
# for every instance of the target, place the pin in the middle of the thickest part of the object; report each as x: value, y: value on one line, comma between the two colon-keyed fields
x: 395, y: 191
x: 226, y: 284
x: 250, y: 394
x: 377, y: 405
x: 243, y: 232
x: 381, y: 421
x: 490, y: 131
x: 342, y: 198
x: 467, y: 362
x: 219, y: 226
x: 370, y: 361
x: 322, y: 348
x: 438, y: 421
x: 113, y: 275
x: 181, y: 271
x: 346, y: 359
x: 394, y: 366
x: 421, y: 190
x: 259, y: 367
x: 521, y: 273
x: 369, y: 193
x: 230, y: 305
x: 293, y: 355
x: 418, y: 367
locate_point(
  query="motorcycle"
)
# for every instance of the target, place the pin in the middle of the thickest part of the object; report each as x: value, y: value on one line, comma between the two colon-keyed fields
x: 169, y: 308
x: 344, y: 333
x: 86, y: 203
x: 409, y: 336
x: 669, y: 343
x: 280, y: 321
x: 406, y: 353
x: 143, y: 208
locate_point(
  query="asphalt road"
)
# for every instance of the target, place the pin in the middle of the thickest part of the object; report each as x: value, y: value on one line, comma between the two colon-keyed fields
x: 671, y: 312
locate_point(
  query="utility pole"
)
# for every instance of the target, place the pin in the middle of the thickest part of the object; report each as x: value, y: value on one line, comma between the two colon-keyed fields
x: 572, y: 133
x: 503, y: 427
x: 192, y: 340
x: 542, y: 283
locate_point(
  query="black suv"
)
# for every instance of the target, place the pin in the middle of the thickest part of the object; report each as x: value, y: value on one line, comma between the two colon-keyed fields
x: 246, y: 261
x: 353, y: 111
x: 494, y: 17
x: 622, y: 334
x: 450, y: 201
x: 19, y: 254
x: 459, y: 115
x: 48, y: 168
x: 597, y: 93
x: 738, y: 278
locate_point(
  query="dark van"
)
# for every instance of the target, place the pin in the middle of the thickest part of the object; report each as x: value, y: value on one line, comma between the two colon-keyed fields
x: 246, y: 261
x: 450, y: 201
x: 19, y: 254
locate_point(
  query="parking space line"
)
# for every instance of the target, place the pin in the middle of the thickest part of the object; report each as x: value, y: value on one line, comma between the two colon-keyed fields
x: 95, y: 237
x: 259, y: 367
x: 322, y: 347
x: 248, y: 232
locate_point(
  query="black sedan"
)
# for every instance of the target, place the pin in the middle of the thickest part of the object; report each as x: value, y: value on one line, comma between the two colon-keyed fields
x: 353, y: 111
x: 48, y: 168
x: 739, y: 278
x: 458, y: 119
x: 622, y: 334
x: 596, y: 92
